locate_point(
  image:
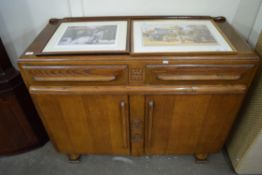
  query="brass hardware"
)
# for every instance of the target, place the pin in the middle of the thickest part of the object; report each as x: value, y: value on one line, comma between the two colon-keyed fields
x: 137, y: 138
x: 136, y: 124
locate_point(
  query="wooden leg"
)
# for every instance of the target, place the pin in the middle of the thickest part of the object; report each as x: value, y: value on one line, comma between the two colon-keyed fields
x: 201, y: 158
x: 74, y: 158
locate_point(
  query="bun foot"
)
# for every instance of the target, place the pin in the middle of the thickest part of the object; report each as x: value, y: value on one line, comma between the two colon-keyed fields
x: 74, y: 158
x: 201, y: 158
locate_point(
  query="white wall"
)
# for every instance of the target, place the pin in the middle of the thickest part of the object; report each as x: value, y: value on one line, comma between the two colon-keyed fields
x: 161, y: 7
x: 21, y: 21
x: 257, y: 28
x: 245, y: 16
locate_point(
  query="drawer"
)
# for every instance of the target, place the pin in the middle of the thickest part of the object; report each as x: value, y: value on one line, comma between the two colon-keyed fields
x: 78, y: 74
x: 198, y: 73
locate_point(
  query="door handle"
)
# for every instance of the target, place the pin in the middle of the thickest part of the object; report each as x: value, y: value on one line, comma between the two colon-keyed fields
x: 150, y: 122
x: 124, y: 124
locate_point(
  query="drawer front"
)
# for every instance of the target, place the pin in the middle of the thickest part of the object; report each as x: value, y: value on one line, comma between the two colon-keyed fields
x: 198, y: 73
x: 78, y: 74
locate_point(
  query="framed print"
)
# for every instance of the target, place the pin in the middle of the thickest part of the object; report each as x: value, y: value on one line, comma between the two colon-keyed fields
x: 91, y: 36
x: 178, y: 36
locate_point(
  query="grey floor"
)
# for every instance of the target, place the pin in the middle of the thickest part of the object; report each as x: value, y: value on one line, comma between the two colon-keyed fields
x: 46, y: 161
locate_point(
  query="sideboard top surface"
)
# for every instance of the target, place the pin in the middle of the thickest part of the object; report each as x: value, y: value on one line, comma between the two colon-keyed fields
x: 241, y: 46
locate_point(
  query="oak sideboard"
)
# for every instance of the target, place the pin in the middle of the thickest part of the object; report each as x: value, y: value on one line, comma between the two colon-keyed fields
x: 124, y: 104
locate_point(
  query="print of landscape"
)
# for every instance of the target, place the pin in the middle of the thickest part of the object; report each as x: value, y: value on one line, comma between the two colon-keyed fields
x: 173, y: 35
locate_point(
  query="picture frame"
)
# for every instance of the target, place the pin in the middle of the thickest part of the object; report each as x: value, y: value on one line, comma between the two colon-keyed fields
x: 178, y: 36
x: 83, y: 37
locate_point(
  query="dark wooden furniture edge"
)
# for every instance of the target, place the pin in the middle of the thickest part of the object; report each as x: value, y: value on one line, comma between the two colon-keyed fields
x: 12, y: 85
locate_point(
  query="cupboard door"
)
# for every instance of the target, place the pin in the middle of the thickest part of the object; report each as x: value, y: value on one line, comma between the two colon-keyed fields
x: 91, y: 124
x: 186, y: 124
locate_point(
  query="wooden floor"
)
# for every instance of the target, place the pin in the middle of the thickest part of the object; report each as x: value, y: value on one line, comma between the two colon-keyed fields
x: 46, y: 160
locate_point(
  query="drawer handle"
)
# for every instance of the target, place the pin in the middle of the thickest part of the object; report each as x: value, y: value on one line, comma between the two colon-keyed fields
x: 124, y: 124
x: 167, y: 77
x: 75, y: 78
x: 150, y: 122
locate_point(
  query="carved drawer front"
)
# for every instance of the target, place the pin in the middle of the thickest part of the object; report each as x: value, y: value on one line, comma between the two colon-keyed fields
x: 198, y: 73
x: 79, y: 74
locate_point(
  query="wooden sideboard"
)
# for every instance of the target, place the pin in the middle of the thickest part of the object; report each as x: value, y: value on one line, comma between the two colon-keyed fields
x: 120, y: 104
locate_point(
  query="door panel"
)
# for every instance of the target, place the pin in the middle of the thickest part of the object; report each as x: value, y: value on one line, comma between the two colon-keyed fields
x: 219, y: 118
x: 86, y: 123
x: 188, y: 123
